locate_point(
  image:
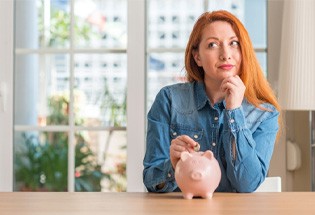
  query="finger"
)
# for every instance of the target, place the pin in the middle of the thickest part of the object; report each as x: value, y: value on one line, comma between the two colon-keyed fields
x: 176, y: 154
x: 233, y: 80
x: 236, y: 80
x: 188, y: 140
x: 178, y: 142
x: 228, y: 86
x: 178, y: 148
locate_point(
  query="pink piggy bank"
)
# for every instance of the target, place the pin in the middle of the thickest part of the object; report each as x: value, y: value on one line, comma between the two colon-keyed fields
x: 197, y: 174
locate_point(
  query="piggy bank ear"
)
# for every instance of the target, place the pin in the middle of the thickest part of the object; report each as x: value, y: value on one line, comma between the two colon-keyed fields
x: 184, y: 155
x: 208, y: 154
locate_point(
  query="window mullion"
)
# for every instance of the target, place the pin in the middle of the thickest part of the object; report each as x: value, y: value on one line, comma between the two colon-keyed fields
x: 71, y: 146
x: 72, y: 51
x: 135, y: 94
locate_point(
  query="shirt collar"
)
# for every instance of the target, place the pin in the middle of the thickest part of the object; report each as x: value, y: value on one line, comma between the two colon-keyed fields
x: 201, y: 96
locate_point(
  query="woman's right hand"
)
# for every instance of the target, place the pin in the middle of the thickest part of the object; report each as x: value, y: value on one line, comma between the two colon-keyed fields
x: 180, y: 144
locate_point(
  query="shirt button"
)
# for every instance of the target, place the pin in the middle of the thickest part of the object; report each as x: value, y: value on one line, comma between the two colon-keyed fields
x: 169, y: 175
x: 231, y: 120
x: 174, y: 133
x: 195, y: 136
x: 216, y: 118
x: 213, y: 144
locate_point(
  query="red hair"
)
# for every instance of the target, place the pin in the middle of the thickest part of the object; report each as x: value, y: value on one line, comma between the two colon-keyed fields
x: 258, y: 90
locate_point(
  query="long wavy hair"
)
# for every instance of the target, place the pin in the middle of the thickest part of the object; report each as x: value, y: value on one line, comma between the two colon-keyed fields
x: 258, y: 90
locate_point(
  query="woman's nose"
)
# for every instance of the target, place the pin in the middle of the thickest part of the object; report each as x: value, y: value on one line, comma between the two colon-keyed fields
x: 224, y: 58
x: 225, y: 54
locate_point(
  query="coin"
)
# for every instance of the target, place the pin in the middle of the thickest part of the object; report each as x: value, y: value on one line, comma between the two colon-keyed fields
x: 197, y: 148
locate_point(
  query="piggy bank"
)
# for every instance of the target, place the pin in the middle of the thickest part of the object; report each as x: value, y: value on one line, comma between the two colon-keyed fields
x: 197, y: 174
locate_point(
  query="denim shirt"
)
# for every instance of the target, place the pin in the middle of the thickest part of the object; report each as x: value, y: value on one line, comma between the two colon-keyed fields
x: 185, y: 109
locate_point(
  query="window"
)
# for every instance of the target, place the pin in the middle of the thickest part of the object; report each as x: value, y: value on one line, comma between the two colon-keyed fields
x: 70, y: 110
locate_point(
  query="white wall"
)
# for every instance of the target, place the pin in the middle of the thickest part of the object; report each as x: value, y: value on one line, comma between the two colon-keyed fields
x: 6, y: 78
x: 295, y: 123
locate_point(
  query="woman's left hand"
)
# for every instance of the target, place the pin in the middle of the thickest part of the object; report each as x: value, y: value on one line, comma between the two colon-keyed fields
x: 234, y: 90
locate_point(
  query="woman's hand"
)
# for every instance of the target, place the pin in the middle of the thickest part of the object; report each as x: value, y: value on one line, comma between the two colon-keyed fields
x: 234, y: 90
x: 180, y: 144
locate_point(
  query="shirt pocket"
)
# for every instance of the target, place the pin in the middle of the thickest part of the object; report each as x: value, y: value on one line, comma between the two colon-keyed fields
x: 178, y: 130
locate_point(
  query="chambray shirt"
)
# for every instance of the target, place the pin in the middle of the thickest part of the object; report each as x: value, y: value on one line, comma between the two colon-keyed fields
x: 185, y: 109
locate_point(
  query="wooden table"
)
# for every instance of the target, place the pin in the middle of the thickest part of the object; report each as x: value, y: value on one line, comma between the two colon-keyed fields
x: 20, y: 203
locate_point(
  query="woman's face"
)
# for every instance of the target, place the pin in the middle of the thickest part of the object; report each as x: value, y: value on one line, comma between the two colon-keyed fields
x: 219, y: 52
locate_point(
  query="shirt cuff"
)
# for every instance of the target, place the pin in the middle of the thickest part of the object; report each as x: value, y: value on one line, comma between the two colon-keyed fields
x: 234, y: 119
x: 169, y: 178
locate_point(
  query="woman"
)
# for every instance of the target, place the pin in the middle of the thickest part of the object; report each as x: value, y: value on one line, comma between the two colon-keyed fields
x: 227, y: 106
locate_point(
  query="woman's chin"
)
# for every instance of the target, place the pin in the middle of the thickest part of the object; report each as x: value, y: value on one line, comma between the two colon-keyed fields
x: 227, y: 73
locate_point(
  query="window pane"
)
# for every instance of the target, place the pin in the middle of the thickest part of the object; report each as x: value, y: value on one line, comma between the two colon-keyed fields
x: 101, y: 23
x: 170, y: 22
x: 262, y: 58
x: 100, y: 89
x: 256, y: 22
x: 100, y: 163
x: 164, y: 69
x: 41, y: 89
x: 42, y: 23
x: 252, y: 13
x: 40, y: 161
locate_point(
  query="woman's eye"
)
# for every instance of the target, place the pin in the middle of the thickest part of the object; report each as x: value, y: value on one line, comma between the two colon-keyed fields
x: 235, y: 43
x: 212, y: 45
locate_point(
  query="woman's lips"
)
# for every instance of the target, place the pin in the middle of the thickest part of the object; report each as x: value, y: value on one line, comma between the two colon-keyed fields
x: 226, y: 66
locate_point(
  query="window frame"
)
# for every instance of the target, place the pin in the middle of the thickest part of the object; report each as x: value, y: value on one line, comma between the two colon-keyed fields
x: 6, y: 80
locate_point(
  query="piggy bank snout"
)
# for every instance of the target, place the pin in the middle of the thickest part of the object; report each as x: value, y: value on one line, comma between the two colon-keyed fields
x: 196, y: 175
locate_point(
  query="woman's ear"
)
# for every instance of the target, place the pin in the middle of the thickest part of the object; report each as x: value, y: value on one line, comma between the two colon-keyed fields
x: 196, y: 56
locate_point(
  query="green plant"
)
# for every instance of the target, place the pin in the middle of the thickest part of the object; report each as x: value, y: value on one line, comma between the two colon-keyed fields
x: 41, y: 161
x: 41, y: 165
x: 117, y: 175
x: 115, y: 110
x: 88, y: 173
